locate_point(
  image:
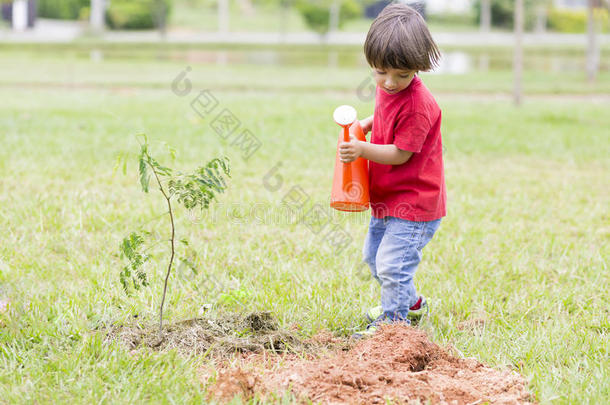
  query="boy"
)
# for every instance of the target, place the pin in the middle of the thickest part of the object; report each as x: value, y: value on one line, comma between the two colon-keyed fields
x: 407, y: 184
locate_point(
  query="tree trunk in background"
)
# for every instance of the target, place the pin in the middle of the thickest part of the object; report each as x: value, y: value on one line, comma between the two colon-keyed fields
x: 284, y: 10
x: 485, y: 15
x: 540, y: 26
x: 518, y: 53
x: 223, y: 16
x: 333, y: 23
x: 98, y: 11
x: 592, y: 46
x: 160, y: 16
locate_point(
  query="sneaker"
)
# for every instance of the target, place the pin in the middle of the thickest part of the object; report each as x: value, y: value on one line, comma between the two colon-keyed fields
x: 373, y: 327
x: 416, y: 312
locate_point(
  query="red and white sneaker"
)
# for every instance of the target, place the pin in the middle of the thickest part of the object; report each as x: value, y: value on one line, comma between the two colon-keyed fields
x: 416, y: 312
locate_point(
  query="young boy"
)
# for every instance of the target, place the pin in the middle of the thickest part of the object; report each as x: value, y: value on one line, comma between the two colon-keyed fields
x: 407, y: 184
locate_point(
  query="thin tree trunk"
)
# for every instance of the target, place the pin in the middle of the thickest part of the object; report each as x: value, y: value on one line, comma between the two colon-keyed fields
x: 518, y: 53
x: 98, y: 11
x: 283, y: 19
x: 173, y: 251
x: 223, y: 16
x: 592, y: 46
x: 333, y: 23
x: 169, y: 267
x: 485, y: 15
x: 161, y: 16
x: 540, y: 18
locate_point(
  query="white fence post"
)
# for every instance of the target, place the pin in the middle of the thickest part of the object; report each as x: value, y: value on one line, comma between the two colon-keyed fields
x: 20, y: 15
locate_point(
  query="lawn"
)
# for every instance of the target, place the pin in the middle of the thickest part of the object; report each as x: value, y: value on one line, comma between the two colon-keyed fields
x: 516, y: 276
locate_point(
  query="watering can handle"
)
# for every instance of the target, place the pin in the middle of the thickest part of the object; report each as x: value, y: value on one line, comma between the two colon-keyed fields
x: 356, y: 130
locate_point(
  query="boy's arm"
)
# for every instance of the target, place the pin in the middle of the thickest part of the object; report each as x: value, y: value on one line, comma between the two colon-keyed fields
x: 367, y: 124
x: 383, y: 154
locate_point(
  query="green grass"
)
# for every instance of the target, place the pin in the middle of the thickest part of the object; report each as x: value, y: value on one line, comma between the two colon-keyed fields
x: 524, y: 247
x: 299, y: 69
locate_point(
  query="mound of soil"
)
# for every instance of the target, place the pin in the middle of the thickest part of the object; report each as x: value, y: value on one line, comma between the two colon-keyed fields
x: 398, y: 364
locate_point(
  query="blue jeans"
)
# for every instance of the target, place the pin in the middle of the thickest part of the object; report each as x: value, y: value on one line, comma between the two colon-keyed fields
x: 393, y: 249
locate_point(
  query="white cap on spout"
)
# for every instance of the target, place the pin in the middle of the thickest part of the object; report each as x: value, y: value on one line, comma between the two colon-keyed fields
x: 345, y: 115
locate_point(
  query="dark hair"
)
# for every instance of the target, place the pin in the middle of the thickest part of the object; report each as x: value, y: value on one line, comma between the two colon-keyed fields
x: 399, y: 38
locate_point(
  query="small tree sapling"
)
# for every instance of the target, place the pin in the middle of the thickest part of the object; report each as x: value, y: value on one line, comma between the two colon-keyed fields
x: 192, y: 190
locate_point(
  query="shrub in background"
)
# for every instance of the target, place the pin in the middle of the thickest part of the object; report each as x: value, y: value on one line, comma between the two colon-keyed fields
x: 317, y: 13
x: 576, y: 21
x: 137, y: 14
x: 61, y: 9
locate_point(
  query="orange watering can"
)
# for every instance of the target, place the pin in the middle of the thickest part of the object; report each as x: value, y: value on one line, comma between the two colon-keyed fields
x: 350, y: 190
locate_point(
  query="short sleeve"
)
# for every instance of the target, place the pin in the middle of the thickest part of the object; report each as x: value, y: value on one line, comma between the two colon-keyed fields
x: 410, y: 131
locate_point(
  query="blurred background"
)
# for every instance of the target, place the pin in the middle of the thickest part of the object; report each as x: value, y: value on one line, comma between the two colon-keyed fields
x: 561, y: 37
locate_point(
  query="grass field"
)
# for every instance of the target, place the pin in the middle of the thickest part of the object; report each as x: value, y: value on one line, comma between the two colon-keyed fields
x: 517, y: 275
x: 286, y: 69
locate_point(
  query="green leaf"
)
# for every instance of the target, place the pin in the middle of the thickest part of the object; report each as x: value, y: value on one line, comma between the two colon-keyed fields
x: 131, y: 249
x: 144, y: 176
x: 121, y: 160
x: 202, y: 186
x: 172, y: 151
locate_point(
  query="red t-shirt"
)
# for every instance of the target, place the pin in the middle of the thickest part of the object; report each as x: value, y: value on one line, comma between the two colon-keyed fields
x: 414, y: 190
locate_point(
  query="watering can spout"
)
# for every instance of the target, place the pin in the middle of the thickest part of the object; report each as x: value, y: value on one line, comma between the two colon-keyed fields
x: 350, y: 191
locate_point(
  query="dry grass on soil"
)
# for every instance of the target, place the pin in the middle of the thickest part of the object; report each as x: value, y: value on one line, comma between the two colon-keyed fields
x: 222, y: 337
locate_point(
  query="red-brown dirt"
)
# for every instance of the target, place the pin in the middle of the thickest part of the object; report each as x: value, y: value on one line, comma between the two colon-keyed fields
x: 399, y: 364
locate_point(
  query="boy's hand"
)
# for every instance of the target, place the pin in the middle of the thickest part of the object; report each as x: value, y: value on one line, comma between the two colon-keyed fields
x: 350, y: 151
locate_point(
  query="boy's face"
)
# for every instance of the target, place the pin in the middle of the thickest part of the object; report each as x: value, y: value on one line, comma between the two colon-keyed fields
x: 393, y: 80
